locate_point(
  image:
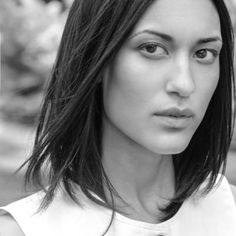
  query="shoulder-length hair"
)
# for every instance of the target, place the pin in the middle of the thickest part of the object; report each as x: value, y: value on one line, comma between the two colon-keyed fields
x: 68, y: 138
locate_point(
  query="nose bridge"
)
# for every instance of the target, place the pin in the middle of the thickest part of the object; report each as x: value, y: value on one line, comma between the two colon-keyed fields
x: 182, y: 79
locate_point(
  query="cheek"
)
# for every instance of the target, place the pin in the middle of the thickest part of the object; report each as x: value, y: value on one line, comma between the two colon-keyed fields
x: 127, y: 88
x: 128, y: 91
x: 207, y: 85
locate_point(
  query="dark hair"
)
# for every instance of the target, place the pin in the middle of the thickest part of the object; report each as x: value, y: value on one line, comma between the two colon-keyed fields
x: 70, y: 126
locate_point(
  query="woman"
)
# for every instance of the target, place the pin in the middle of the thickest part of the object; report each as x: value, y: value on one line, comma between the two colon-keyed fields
x: 136, y: 124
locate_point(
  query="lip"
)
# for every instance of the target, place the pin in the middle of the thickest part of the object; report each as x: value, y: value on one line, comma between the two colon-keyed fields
x: 176, y: 113
x: 175, y: 118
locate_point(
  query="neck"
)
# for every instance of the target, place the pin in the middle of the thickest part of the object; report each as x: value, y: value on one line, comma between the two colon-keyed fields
x: 143, y: 179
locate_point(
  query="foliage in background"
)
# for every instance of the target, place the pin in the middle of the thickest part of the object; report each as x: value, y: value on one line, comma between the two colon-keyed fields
x: 30, y: 32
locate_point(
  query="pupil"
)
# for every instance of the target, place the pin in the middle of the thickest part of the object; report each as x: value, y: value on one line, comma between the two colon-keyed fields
x: 202, y: 53
x: 151, y: 48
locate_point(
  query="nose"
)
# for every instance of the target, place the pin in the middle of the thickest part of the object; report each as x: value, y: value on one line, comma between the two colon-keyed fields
x: 181, y: 80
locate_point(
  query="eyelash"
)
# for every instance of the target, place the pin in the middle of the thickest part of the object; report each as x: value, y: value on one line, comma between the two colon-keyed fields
x: 214, y: 52
x: 144, y: 46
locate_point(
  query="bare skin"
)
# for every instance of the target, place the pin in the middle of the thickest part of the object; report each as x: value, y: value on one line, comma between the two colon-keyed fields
x: 152, y: 72
x: 131, y: 175
x: 137, y: 148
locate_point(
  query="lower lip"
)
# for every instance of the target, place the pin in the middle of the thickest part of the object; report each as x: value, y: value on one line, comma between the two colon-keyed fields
x: 175, y: 122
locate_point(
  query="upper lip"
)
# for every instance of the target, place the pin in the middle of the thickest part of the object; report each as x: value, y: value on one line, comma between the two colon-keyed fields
x: 175, y: 112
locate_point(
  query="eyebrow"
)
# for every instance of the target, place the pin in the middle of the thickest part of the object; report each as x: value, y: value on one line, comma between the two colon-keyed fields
x: 168, y: 38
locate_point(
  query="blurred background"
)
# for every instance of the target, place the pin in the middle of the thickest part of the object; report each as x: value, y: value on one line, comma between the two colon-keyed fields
x: 30, y: 32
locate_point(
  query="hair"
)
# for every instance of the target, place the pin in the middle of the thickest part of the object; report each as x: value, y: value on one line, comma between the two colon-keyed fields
x: 68, y: 137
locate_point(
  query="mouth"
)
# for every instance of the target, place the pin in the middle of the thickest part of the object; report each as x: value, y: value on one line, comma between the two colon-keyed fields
x: 176, y: 113
x: 175, y: 117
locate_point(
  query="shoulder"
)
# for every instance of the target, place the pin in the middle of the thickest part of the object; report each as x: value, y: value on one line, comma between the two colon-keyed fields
x: 233, y: 189
x: 34, y: 221
x: 16, y: 217
x: 9, y: 227
x: 230, y: 188
x: 221, y: 196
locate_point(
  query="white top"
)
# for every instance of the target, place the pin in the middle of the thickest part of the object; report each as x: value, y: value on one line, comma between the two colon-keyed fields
x: 213, y: 215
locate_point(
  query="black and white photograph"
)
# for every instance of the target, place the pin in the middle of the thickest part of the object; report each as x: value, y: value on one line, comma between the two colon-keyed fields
x: 117, y: 118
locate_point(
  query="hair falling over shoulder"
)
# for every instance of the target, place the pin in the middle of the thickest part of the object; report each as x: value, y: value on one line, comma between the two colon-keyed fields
x: 68, y: 138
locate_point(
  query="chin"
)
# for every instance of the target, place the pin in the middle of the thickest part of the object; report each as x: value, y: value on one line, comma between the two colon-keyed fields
x: 170, y: 147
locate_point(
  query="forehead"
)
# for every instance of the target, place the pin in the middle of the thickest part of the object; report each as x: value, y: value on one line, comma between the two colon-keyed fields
x: 189, y: 18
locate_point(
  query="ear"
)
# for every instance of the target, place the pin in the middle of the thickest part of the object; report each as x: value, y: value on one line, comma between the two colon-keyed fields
x: 233, y: 189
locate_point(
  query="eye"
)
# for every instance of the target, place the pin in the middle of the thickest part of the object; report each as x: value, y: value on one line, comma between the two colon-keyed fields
x: 152, y: 50
x: 206, y: 55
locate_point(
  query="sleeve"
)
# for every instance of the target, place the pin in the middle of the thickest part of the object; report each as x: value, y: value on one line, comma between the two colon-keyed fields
x: 25, y: 213
x: 221, y: 208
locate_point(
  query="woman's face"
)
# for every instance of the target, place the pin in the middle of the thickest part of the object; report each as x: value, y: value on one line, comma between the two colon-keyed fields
x: 159, y: 85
